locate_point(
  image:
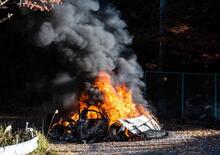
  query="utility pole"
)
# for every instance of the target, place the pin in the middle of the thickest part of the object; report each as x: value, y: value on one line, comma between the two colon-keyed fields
x: 162, y: 15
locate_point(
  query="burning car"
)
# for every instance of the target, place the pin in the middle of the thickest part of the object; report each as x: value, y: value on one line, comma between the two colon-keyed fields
x: 106, y: 112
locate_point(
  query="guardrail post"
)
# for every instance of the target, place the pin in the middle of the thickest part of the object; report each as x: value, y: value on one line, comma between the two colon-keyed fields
x: 216, y: 106
x: 182, y: 96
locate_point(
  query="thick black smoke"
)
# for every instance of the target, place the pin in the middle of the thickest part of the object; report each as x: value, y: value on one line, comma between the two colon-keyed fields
x: 92, y: 39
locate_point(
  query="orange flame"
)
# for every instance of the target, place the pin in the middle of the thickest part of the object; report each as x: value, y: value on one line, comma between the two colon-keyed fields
x: 117, y: 102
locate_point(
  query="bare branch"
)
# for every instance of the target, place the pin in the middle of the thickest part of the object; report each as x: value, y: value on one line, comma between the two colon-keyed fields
x: 3, y: 6
x: 6, y: 18
x: 3, y: 2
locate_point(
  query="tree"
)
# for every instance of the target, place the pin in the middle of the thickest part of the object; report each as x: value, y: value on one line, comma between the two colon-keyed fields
x: 36, y: 5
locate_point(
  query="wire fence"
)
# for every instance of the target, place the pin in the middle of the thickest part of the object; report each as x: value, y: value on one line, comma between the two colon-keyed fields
x: 194, y: 96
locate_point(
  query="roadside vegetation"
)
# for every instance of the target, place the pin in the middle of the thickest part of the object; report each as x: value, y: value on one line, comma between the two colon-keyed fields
x: 8, y: 136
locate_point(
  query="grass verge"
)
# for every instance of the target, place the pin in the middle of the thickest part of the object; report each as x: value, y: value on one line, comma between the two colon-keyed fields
x: 10, y: 137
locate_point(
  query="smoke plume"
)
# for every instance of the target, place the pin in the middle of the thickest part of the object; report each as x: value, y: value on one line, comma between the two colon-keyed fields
x: 91, y: 39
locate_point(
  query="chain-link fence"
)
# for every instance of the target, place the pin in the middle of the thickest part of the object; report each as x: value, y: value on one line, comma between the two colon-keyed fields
x: 184, y: 95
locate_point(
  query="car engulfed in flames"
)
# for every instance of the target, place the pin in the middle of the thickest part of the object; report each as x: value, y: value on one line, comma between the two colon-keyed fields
x: 107, y: 112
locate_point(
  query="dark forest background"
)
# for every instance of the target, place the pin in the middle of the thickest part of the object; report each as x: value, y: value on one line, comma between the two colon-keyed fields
x: 190, y: 42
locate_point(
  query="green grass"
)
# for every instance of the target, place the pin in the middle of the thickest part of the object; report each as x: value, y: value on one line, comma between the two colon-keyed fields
x: 18, y: 136
x: 43, y: 146
x: 6, y: 138
x: 12, y: 137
